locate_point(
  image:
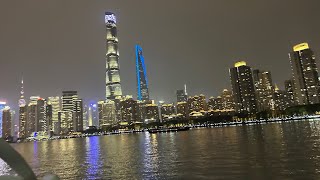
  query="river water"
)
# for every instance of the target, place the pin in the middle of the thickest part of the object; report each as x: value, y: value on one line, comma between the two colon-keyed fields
x: 288, y: 150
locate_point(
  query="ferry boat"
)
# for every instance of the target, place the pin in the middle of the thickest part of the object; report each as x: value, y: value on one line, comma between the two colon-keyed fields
x: 173, y: 129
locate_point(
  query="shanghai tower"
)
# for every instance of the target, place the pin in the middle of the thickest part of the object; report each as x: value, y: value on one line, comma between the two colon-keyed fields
x: 113, y: 86
x: 142, y: 81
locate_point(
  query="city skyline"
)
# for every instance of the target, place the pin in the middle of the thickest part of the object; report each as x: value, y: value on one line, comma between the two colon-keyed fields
x: 199, y: 81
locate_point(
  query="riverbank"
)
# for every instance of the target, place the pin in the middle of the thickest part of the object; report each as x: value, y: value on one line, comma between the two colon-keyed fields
x: 190, y: 126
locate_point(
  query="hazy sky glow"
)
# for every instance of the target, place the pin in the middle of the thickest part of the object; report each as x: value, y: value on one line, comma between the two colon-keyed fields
x: 60, y: 45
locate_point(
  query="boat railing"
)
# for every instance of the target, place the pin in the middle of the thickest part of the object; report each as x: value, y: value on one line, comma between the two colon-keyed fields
x: 9, y: 155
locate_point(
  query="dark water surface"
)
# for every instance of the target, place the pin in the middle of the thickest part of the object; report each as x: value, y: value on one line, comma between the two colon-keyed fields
x: 289, y: 150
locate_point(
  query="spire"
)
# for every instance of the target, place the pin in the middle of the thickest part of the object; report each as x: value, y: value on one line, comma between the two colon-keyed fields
x: 185, y: 89
x: 21, y: 92
x: 22, y: 102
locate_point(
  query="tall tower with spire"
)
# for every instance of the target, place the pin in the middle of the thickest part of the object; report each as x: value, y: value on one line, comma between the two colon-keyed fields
x: 22, y: 101
x: 113, y: 86
x: 22, y: 113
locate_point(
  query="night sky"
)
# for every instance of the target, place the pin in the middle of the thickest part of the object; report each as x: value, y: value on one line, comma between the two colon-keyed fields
x: 60, y: 44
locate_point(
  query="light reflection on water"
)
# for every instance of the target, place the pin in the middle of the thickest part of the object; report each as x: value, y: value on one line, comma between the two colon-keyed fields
x: 93, y: 157
x: 150, y: 156
x: 270, y: 151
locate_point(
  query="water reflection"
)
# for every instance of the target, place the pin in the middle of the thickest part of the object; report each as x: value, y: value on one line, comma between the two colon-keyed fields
x: 93, y: 164
x: 288, y: 150
x: 151, y: 157
x: 35, y: 161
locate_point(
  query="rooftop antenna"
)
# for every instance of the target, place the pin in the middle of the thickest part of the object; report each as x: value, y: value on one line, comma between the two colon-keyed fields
x: 185, y: 89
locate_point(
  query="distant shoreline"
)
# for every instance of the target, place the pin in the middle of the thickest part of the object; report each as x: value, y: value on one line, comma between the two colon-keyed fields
x: 211, y: 125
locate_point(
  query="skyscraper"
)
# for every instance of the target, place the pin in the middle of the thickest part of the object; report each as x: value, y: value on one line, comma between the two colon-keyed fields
x: 41, y: 120
x: 85, y: 117
x: 243, y: 87
x: 22, y: 101
x: 93, y: 114
x: 31, y: 116
x: 77, y: 115
x: 304, y: 74
x: 55, y: 107
x: 71, y: 116
x: 68, y: 98
x: 22, y: 113
x: 182, y: 95
x: 288, y: 84
x: 7, y: 122
x: 22, y: 121
x: 2, y: 106
x: 49, y: 123
x: 142, y: 80
x: 113, y: 86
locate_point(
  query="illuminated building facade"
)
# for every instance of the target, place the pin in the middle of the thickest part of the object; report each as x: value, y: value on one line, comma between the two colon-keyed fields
x: 223, y: 104
x: 142, y: 80
x: 68, y: 98
x: 65, y: 123
x: 167, y: 111
x: 152, y: 113
x: 113, y: 86
x: 49, y: 118
x: 66, y: 114
x: 85, y: 117
x: 264, y: 90
x: 305, y: 75
x: 141, y: 110
x: 70, y: 118
x: 93, y: 114
x: 227, y: 100
x: 54, y: 102
x: 215, y: 104
x: 6, y: 122
x: 107, y: 113
x: 282, y: 99
x: 77, y: 115
x: 22, y: 121
x: 128, y: 109
x: 197, y: 105
x: 41, y: 120
x: 100, y: 113
x: 31, y: 115
x: 182, y: 110
x: 288, y: 84
x: 243, y: 88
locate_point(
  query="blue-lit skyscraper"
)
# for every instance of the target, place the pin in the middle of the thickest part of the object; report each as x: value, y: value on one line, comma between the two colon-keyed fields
x: 142, y: 80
